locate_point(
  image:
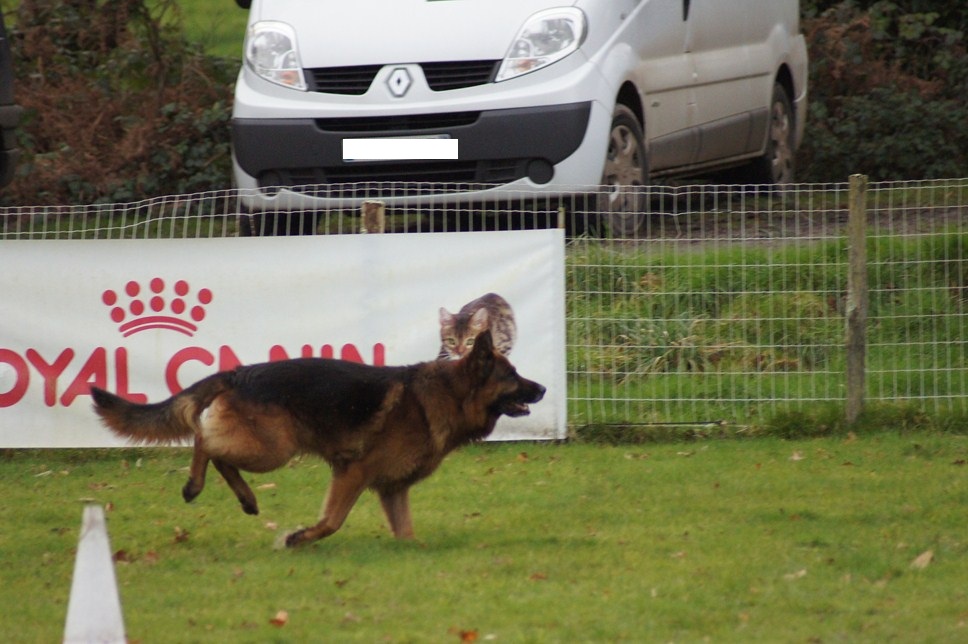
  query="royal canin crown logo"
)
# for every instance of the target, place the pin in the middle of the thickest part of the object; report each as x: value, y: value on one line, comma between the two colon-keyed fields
x: 174, y: 307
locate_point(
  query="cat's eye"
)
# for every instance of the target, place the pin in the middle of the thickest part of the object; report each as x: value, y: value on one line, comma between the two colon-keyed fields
x: 469, y: 342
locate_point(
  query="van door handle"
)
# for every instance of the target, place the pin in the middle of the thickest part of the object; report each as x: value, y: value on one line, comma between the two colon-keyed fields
x: 685, y: 10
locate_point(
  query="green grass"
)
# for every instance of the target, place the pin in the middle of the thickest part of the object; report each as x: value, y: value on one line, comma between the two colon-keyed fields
x: 218, y: 26
x: 755, y: 540
x: 667, y: 335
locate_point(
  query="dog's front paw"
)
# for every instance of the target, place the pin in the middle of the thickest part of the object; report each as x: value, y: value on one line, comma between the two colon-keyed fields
x: 250, y: 508
x: 190, y: 491
x: 295, y: 538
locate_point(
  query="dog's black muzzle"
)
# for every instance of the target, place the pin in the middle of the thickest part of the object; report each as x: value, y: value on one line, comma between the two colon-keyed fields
x: 516, y: 404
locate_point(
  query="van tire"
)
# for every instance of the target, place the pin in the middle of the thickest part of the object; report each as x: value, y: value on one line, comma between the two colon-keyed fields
x: 778, y: 163
x: 621, y: 199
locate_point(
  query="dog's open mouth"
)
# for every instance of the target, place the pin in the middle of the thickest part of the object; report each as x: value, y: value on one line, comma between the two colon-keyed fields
x: 517, y: 405
x: 514, y: 409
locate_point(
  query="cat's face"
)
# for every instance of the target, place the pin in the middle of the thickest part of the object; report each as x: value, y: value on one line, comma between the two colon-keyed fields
x: 456, y: 346
x: 457, y: 335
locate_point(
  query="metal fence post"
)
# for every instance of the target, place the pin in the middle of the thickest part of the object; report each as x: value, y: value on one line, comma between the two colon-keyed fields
x: 856, y: 313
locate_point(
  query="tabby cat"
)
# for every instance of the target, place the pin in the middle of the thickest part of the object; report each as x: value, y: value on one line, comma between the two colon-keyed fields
x: 458, y: 330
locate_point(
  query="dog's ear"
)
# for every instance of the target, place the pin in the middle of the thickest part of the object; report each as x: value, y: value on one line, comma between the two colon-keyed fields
x: 481, y: 358
x: 484, y: 342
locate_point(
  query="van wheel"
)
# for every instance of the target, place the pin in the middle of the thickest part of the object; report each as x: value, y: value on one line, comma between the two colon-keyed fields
x: 620, y: 204
x: 778, y: 163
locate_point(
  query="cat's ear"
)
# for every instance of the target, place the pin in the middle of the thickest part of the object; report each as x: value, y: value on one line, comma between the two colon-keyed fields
x: 479, y: 320
x: 480, y: 316
x: 445, y: 316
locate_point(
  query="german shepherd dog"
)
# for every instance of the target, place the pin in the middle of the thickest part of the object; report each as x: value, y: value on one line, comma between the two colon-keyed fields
x: 382, y: 428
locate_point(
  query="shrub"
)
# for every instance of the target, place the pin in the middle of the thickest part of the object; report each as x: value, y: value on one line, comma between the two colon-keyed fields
x: 119, y: 106
x: 889, y: 133
x: 887, y: 81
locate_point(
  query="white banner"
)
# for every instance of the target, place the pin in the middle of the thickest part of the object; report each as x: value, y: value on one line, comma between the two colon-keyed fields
x: 146, y: 318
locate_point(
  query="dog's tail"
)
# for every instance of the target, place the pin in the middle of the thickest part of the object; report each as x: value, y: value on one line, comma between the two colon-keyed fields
x: 166, y: 422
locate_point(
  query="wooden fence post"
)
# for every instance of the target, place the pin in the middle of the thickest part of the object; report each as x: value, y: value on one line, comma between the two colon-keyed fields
x: 856, y: 313
x: 374, y: 217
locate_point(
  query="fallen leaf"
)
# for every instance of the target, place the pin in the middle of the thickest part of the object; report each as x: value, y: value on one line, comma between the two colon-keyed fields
x: 272, y: 525
x: 923, y: 560
x: 522, y: 457
x: 280, y: 620
x: 538, y: 576
x: 181, y: 535
x: 800, y: 574
x: 267, y: 486
x: 468, y: 636
x: 121, y: 556
x: 797, y: 456
x: 151, y: 557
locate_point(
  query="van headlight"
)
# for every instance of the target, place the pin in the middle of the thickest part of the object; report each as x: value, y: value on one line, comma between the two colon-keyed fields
x: 546, y: 37
x: 270, y: 52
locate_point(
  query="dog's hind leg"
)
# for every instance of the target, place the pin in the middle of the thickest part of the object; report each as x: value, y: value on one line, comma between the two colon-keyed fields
x: 345, y: 489
x: 243, y: 492
x: 196, y: 474
x: 396, y: 505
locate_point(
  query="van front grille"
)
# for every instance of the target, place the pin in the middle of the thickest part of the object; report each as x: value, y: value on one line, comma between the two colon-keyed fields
x: 351, y: 81
x: 443, y: 76
x: 457, y: 75
x: 402, y: 123
x: 439, y: 176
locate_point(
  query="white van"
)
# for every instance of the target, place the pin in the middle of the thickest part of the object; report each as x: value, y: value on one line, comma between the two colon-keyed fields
x: 506, y: 96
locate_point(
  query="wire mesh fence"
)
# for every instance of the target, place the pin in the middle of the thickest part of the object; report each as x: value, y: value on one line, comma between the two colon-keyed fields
x: 686, y: 305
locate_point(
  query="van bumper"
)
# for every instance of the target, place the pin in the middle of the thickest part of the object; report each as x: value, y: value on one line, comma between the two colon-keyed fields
x: 496, y: 147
